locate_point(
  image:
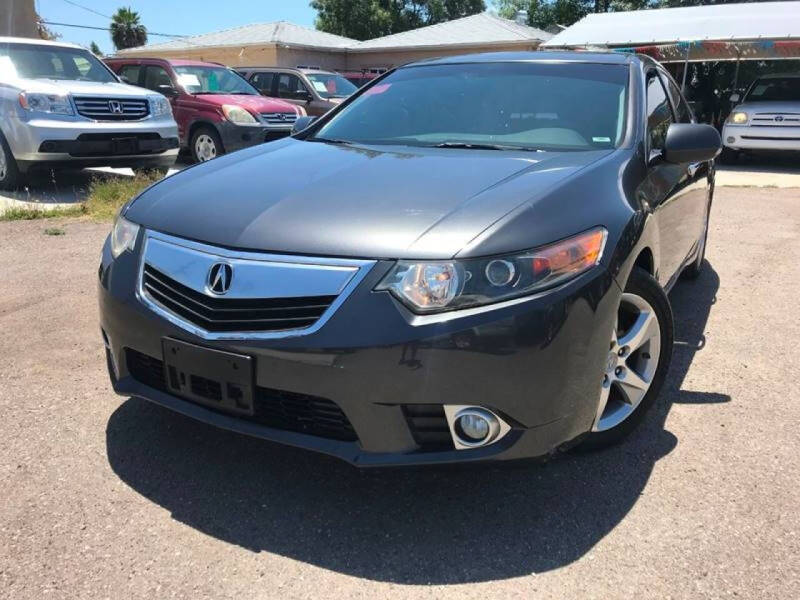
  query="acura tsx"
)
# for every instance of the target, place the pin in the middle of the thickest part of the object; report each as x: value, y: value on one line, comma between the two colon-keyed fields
x: 467, y: 260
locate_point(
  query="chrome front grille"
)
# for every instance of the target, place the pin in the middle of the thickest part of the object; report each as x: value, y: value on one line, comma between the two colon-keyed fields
x: 776, y: 119
x: 280, y: 118
x: 262, y: 295
x: 112, y: 109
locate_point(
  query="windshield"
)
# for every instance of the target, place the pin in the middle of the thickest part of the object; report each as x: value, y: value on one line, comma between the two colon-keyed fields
x: 531, y: 106
x: 30, y: 61
x: 212, y: 80
x: 330, y: 85
x: 775, y: 90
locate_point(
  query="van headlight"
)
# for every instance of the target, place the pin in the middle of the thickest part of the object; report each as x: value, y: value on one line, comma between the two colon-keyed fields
x: 46, y: 103
x: 159, y: 106
x: 123, y: 236
x: 432, y: 286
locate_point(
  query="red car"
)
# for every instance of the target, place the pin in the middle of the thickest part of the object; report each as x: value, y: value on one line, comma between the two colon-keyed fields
x: 217, y: 111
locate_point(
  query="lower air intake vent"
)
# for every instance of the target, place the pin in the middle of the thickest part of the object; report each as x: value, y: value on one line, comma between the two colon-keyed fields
x: 429, y: 427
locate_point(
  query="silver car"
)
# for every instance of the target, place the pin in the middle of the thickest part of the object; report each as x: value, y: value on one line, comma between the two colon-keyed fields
x: 768, y: 117
x: 62, y: 107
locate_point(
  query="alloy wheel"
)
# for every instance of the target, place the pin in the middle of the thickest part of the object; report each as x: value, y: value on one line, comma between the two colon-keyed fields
x: 631, y: 362
x: 205, y: 148
x: 3, y: 163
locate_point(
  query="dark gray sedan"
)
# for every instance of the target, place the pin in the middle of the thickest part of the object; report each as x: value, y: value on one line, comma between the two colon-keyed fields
x: 467, y: 260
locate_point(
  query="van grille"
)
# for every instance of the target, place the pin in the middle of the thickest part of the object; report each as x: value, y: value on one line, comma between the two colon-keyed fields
x: 232, y: 314
x: 278, y: 409
x: 112, y: 109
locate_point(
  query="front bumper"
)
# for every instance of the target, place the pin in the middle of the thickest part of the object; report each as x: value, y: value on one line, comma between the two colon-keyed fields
x: 744, y: 137
x: 84, y: 143
x: 537, y: 364
x: 235, y: 137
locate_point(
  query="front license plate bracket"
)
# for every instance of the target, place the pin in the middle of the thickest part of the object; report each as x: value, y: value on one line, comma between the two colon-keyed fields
x: 221, y: 380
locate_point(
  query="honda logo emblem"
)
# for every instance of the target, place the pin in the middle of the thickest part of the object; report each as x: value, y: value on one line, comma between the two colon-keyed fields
x: 219, y: 278
x: 115, y: 107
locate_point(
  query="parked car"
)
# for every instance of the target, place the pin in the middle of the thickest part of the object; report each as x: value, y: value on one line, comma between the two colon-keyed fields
x: 61, y: 107
x: 216, y: 109
x: 412, y: 280
x: 314, y: 90
x: 767, y: 118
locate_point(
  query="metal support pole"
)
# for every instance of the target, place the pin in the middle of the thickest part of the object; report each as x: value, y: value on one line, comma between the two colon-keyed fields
x: 685, y: 69
x: 736, y: 72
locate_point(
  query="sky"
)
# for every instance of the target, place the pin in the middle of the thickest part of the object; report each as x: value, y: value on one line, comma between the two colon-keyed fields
x: 181, y: 17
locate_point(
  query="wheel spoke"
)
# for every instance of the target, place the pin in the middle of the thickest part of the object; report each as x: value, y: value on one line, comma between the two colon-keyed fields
x: 605, y: 391
x: 643, y: 329
x: 633, y: 387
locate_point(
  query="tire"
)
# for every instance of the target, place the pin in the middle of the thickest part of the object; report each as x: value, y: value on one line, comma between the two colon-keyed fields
x: 728, y: 156
x: 616, y: 416
x: 152, y: 171
x: 205, y: 144
x: 10, y: 176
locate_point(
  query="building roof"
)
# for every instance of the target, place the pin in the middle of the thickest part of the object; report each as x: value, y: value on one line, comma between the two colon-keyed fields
x: 720, y: 22
x: 278, y: 32
x: 483, y: 28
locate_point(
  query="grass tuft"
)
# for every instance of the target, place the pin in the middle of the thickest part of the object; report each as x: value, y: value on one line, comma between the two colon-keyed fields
x: 28, y: 213
x: 54, y: 231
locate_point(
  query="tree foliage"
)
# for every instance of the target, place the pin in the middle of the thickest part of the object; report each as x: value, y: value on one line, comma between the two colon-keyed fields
x: 95, y: 49
x: 366, y: 19
x: 126, y: 30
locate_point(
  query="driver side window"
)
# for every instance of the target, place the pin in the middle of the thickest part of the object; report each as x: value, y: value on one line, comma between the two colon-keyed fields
x: 659, y: 114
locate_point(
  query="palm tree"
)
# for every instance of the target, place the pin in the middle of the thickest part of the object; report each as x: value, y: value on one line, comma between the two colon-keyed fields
x: 126, y: 31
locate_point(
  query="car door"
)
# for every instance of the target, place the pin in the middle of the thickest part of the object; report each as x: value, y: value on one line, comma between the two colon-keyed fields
x: 155, y: 78
x: 700, y: 174
x: 291, y: 89
x: 132, y: 72
x: 665, y: 186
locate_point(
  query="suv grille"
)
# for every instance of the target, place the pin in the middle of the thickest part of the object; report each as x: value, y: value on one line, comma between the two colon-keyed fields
x: 776, y: 119
x: 284, y: 118
x: 112, y: 109
x: 428, y: 426
x: 273, y: 408
x: 230, y: 314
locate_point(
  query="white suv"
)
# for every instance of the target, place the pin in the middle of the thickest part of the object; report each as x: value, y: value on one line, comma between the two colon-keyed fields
x: 62, y: 107
x: 768, y: 117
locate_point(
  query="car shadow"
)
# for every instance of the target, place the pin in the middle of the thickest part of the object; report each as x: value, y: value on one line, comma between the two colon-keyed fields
x: 410, y: 526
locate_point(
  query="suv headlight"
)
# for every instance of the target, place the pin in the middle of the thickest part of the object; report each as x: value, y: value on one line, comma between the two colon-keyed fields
x: 238, y: 115
x: 738, y: 117
x: 123, y: 236
x: 159, y: 106
x: 432, y: 286
x: 46, y: 103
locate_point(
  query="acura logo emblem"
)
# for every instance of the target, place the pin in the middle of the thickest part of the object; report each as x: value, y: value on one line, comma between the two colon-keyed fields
x: 115, y: 107
x: 219, y: 278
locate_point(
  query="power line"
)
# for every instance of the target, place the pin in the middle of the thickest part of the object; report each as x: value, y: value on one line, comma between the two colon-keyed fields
x: 91, y: 10
x: 169, y: 35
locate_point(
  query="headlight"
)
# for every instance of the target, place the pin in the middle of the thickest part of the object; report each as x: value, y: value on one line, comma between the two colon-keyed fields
x: 738, y: 118
x: 123, y: 236
x: 238, y: 115
x: 46, y: 103
x: 159, y: 106
x: 433, y: 286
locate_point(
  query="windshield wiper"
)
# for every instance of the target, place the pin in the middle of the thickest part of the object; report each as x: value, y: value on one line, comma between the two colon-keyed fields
x: 479, y: 146
x: 329, y: 141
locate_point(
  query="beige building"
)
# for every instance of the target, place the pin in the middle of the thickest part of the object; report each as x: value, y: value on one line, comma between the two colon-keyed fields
x: 288, y: 45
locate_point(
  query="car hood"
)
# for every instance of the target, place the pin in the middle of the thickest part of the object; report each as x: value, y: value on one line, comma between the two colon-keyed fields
x: 769, y: 107
x: 309, y: 198
x: 82, y: 88
x: 255, y: 104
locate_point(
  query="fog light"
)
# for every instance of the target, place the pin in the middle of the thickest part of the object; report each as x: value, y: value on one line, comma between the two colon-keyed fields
x: 730, y: 139
x: 472, y: 428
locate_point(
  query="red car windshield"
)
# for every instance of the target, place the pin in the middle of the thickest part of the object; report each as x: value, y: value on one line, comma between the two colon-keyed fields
x: 203, y: 79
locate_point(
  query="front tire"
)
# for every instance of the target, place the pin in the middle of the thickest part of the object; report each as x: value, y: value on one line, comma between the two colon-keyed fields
x: 205, y: 144
x: 640, y: 352
x: 10, y: 176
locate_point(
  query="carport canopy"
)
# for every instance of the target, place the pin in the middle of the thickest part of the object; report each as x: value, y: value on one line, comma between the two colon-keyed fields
x: 748, y: 31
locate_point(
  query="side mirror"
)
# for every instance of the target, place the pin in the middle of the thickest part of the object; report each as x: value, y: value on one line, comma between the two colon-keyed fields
x: 691, y: 142
x: 304, y: 96
x: 735, y: 98
x: 167, y: 90
x: 302, y: 123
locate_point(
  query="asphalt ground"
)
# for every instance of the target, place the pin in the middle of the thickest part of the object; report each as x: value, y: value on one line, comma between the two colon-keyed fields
x: 107, y: 497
